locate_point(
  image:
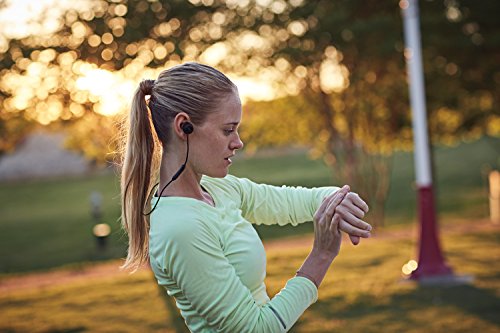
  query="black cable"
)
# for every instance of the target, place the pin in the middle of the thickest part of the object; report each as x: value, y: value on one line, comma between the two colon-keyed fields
x: 174, y: 177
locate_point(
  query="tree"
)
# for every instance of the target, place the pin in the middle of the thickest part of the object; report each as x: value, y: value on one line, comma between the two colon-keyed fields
x: 339, y: 62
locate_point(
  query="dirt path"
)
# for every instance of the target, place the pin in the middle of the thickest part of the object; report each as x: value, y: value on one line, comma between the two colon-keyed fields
x: 109, y: 269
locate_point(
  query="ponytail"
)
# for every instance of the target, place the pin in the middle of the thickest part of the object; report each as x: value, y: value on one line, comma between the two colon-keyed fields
x: 138, y: 163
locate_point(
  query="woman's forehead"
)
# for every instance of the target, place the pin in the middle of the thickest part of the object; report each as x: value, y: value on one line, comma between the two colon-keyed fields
x: 228, y: 111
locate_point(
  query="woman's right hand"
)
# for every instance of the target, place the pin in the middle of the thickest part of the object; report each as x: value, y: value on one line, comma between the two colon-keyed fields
x: 327, y: 236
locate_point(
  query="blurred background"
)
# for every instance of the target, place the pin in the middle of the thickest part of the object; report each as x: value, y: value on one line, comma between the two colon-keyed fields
x: 325, y: 102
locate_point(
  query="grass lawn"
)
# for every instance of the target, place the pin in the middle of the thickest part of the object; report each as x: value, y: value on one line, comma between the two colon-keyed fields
x: 362, y: 292
x: 48, y: 223
x: 45, y: 224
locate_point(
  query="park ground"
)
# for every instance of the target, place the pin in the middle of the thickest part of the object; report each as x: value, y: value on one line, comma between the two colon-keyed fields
x: 54, y: 279
x: 365, y: 290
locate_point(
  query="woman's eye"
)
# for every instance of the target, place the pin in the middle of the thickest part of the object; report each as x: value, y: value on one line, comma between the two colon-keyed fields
x: 228, y: 131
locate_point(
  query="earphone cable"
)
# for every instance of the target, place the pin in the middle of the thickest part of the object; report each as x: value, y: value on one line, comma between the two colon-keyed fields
x: 174, y: 177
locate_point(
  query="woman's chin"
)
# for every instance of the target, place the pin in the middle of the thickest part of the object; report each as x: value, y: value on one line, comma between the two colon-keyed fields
x: 218, y: 174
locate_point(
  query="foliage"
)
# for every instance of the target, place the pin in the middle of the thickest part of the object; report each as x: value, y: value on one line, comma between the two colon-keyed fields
x: 337, y: 64
x: 95, y: 135
x: 343, y: 57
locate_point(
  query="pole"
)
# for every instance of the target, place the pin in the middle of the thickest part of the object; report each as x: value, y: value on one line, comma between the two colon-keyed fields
x: 430, y: 259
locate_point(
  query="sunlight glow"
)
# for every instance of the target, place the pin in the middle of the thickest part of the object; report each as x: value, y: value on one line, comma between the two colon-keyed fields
x: 333, y: 77
x: 253, y: 89
x: 214, y: 54
x: 112, y: 91
x: 34, y: 87
x: 21, y: 18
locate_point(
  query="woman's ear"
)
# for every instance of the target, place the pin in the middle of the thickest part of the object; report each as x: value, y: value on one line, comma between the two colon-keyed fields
x: 179, y: 119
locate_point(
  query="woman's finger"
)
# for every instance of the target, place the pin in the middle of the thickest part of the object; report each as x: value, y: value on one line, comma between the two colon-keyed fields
x: 320, y: 211
x: 324, y: 204
x: 354, y: 239
x: 354, y: 220
x: 356, y: 200
x: 326, y: 201
x: 334, y: 226
x: 352, y: 230
x: 351, y: 208
x: 334, y: 202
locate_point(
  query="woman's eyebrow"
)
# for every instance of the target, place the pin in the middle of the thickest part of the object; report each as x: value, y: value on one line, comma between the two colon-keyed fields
x: 233, y: 123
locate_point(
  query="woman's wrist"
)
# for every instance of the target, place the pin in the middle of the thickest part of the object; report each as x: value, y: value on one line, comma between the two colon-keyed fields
x: 307, y: 276
x: 315, y: 266
x: 322, y: 256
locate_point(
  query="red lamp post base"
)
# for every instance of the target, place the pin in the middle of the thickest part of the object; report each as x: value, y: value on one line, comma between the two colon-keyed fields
x: 430, y: 259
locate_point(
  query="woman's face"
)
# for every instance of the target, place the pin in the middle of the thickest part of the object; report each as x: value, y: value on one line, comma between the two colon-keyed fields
x: 215, y: 141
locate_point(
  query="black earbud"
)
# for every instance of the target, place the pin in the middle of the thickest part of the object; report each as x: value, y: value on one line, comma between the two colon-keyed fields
x: 187, y: 127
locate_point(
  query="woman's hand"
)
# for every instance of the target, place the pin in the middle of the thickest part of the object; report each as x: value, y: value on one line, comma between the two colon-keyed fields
x: 351, y: 211
x: 327, y: 236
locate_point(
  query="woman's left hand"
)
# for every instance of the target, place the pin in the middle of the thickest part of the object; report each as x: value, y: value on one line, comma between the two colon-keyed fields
x: 352, y: 210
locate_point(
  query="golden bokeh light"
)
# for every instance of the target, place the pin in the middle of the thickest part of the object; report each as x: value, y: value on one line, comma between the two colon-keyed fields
x: 409, y: 267
x: 131, y: 49
x: 251, y: 40
x: 214, y: 31
x: 76, y: 109
x: 333, y: 76
x: 163, y: 29
x: 160, y: 52
x: 78, y: 29
x: 254, y: 88
x: 101, y: 230
x: 67, y: 58
x: 107, y: 38
x: 297, y: 28
x: 195, y: 35
x: 406, y: 270
x: 94, y: 40
x: 412, y: 264
x: 300, y: 71
x: 107, y: 54
x: 120, y: 10
x: 145, y: 55
x: 219, y: 18
x: 174, y: 24
x: 118, y: 31
x: 278, y: 6
x: 214, y: 54
x: 47, y: 55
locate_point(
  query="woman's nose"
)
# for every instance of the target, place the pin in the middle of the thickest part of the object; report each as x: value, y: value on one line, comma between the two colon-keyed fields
x: 237, y: 144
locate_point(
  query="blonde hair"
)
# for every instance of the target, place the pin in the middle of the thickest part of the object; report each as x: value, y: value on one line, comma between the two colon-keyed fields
x: 192, y: 88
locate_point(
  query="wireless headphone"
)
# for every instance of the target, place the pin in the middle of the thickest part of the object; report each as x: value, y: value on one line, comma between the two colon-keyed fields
x: 187, y: 128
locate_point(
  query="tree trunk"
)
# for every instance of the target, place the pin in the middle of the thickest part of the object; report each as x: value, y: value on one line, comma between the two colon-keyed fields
x: 367, y: 174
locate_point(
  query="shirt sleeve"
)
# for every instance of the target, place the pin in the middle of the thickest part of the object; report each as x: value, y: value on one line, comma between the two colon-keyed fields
x: 267, y: 204
x: 195, y: 260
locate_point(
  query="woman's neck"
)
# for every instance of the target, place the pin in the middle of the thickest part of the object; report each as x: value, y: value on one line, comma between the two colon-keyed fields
x: 186, y: 185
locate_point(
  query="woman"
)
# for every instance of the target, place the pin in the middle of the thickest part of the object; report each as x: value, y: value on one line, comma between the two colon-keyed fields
x: 196, y: 232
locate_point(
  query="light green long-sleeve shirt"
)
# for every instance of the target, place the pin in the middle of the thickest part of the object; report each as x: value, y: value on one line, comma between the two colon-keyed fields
x: 213, y: 262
